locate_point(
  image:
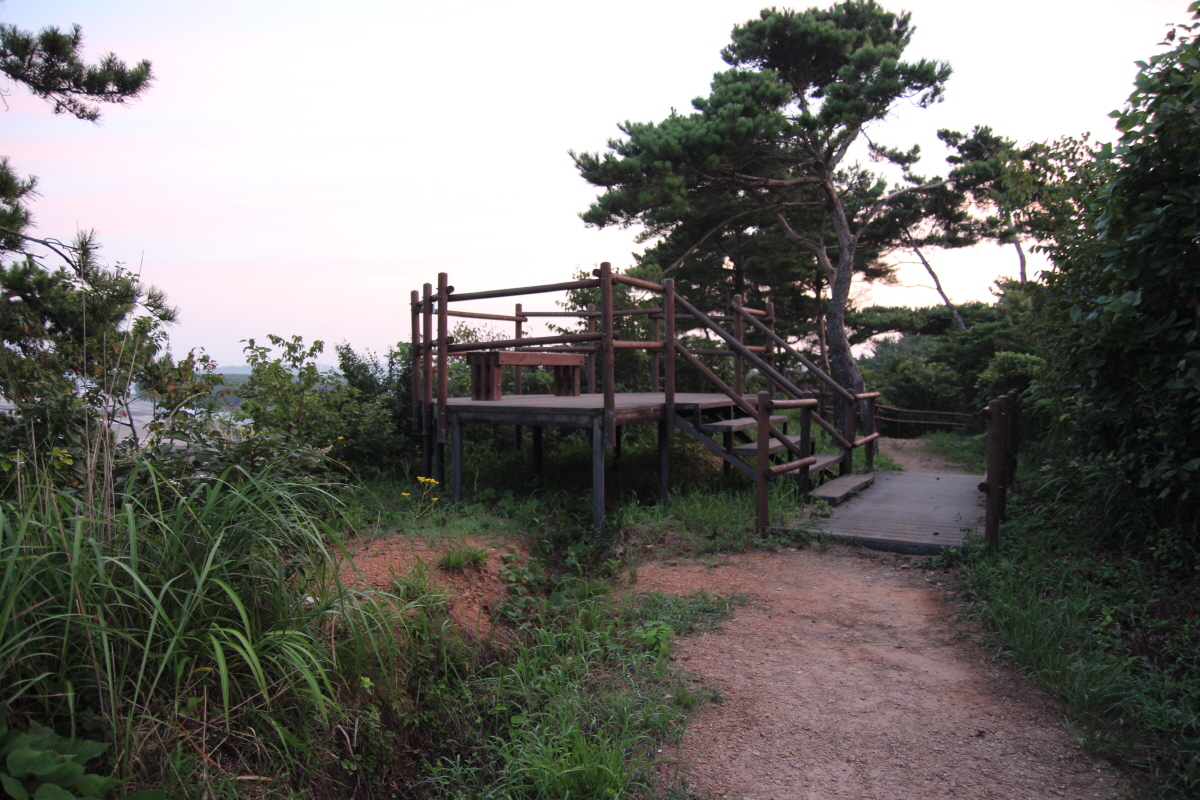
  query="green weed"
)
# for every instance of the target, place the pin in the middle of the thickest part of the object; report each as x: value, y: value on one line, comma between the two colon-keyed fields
x: 462, y: 556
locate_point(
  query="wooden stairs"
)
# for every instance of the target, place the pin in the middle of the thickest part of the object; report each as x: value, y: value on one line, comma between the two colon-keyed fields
x: 738, y: 451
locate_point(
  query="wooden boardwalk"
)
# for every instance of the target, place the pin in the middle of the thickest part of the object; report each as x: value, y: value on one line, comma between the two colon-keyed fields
x: 917, y: 513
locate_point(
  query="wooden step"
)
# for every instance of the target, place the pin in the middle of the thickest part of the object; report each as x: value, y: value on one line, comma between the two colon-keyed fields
x: 740, y: 424
x: 838, y: 489
x: 825, y: 461
x: 750, y: 450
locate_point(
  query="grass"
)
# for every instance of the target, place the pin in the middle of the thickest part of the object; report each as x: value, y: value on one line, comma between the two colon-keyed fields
x: 969, y: 450
x: 461, y: 557
x: 1095, y: 594
x: 579, y: 709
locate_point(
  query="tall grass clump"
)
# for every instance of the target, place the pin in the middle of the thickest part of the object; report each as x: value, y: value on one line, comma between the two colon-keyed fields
x: 194, y: 629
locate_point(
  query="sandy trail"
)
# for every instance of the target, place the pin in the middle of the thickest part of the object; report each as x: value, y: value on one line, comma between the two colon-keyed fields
x: 847, y: 676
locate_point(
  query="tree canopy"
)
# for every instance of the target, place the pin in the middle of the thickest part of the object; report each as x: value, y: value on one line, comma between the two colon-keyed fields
x: 765, y: 152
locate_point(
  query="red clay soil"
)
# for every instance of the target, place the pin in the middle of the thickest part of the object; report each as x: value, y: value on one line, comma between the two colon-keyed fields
x: 848, y: 675
x: 471, y: 594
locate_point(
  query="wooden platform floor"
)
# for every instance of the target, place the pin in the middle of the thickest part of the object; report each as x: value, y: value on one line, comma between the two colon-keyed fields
x: 917, y: 513
x: 548, y: 409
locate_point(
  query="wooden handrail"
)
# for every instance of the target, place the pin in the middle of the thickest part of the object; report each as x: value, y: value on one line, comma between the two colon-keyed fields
x: 542, y: 289
x: 735, y: 345
x: 813, y: 368
x: 791, y: 465
x: 867, y: 395
x: 939, y: 413
x: 738, y: 400
x: 920, y: 422
x: 502, y: 344
x: 479, y: 315
x: 805, y: 403
x: 637, y: 282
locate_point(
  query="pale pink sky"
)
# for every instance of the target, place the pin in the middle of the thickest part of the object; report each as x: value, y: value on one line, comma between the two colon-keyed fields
x: 299, y: 167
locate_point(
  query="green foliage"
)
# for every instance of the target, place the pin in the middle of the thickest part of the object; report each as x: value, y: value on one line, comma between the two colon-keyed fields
x: 46, y: 766
x: 359, y: 418
x: 1124, y: 303
x: 48, y: 64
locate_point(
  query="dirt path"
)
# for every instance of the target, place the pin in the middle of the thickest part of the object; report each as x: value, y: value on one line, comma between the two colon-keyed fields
x: 845, y: 676
x: 913, y: 457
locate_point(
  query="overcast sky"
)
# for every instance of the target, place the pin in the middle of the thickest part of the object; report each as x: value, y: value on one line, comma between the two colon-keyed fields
x: 298, y: 167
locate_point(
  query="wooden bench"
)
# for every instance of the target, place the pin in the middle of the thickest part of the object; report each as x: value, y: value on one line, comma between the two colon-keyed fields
x: 487, y: 368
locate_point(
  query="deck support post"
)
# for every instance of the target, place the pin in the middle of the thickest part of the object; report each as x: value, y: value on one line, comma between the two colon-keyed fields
x: 427, y: 382
x: 517, y: 379
x: 456, y: 459
x: 591, y: 361
x: 655, y: 356
x: 664, y: 460
x: 598, y: 476
x: 606, y: 353
x: 537, y: 449
x: 443, y: 376
x: 669, y: 355
x: 415, y: 355
x: 762, y: 464
x: 739, y: 331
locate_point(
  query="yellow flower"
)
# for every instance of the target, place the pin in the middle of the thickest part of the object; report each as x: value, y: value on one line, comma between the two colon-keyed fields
x: 405, y: 494
x: 340, y: 437
x: 435, y: 499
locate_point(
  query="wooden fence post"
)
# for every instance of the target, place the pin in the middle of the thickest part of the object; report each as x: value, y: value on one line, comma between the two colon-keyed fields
x: 655, y: 357
x: 591, y: 359
x: 427, y: 382
x: 739, y: 331
x: 606, y: 354
x: 443, y: 378
x: 849, y: 424
x: 669, y: 355
x: 996, y: 479
x: 415, y: 359
x: 870, y: 425
x: 762, y: 466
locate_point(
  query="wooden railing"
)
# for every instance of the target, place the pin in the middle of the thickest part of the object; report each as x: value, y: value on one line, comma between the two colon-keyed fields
x: 1002, y: 415
x: 601, y: 341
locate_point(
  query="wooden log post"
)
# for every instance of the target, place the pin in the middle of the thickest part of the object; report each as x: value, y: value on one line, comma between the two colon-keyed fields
x: 456, y: 459
x: 517, y: 333
x: 770, y: 354
x: 427, y: 433
x: 655, y: 358
x: 870, y: 425
x: 1013, y: 433
x: 739, y: 332
x: 669, y: 346
x: 806, y: 447
x: 664, y: 460
x: 762, y: 465
x: 996, y: 480
x: 849, y: 423
x: 606, y: 354
x: 591, y: 364
x: 443, y: 378
x: 598, y: 476
x: 415, y: 359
